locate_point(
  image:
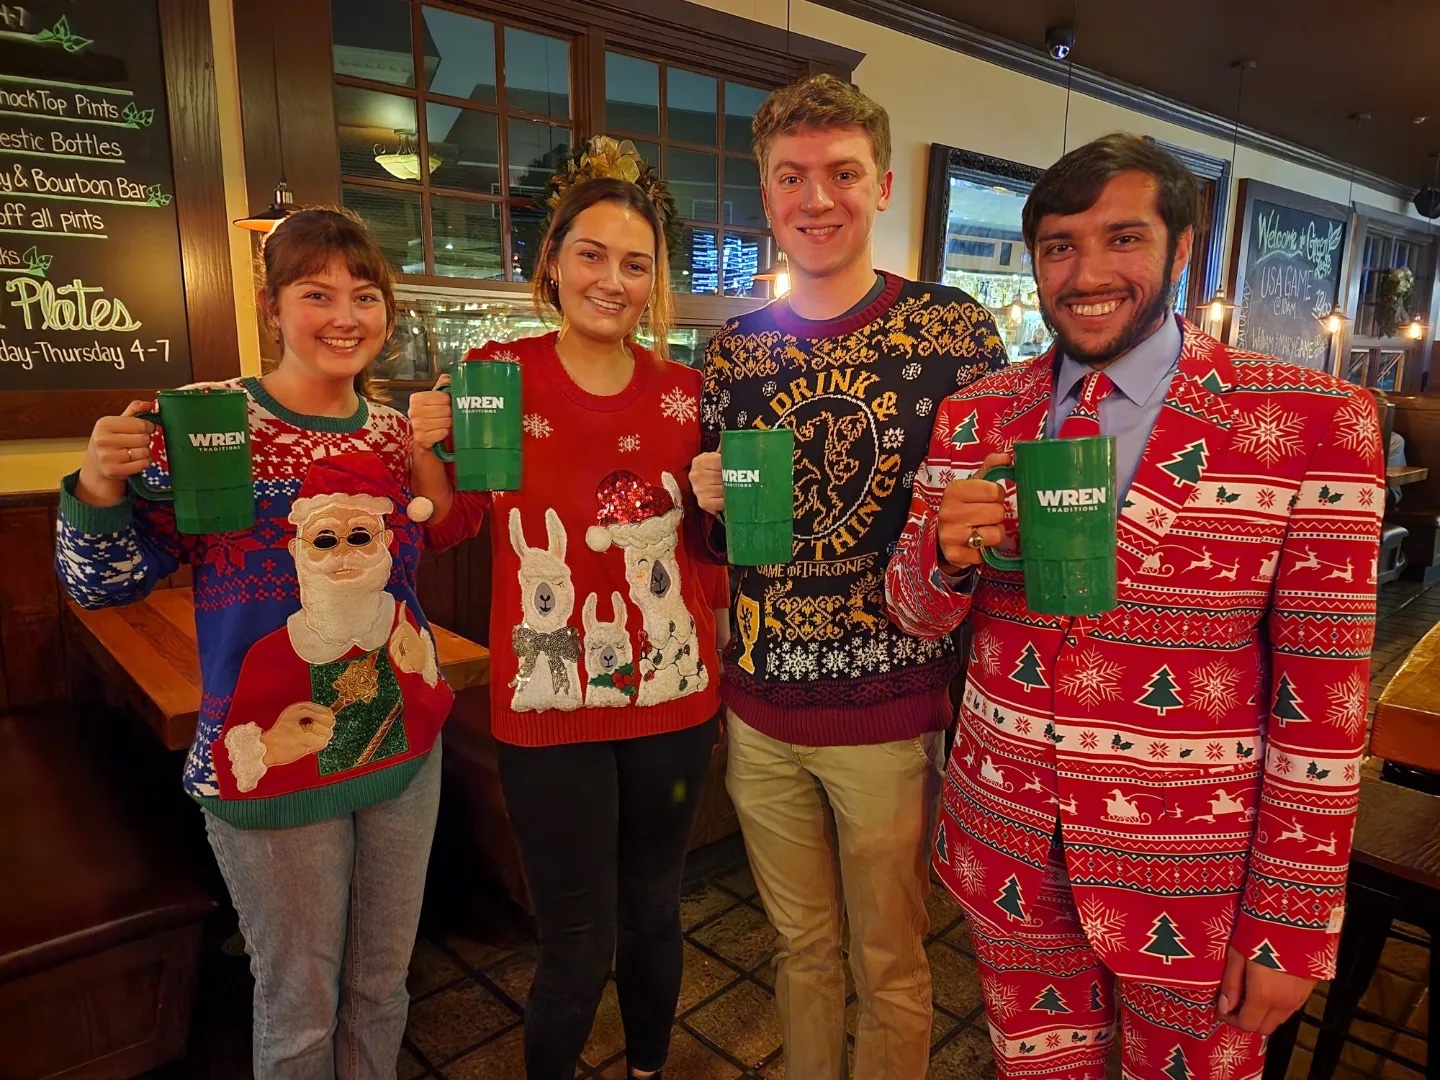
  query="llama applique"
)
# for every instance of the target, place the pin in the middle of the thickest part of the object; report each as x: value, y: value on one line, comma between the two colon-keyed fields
x: 644, y: 522
x: 610, y: 677
x: 545, y: 643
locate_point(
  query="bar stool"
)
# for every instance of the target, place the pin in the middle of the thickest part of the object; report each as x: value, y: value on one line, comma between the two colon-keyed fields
x: 1394, y: 875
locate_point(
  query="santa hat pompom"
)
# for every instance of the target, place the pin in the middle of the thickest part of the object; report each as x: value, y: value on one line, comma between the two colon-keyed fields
x: 598, y: 538
x: 420, y: 509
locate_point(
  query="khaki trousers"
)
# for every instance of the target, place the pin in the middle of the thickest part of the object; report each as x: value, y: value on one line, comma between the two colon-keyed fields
x: 836, y: 830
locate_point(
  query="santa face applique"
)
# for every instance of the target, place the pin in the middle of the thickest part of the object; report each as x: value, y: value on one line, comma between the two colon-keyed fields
x: 326, y: 693
x: 643, y: 521
x: 546, y: 645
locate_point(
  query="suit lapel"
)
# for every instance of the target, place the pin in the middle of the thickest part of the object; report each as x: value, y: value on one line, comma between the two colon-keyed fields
x: 1190, y: 433
x: 1025, y: 418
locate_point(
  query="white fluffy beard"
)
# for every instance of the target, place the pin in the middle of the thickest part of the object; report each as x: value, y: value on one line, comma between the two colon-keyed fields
x: 342, y: 611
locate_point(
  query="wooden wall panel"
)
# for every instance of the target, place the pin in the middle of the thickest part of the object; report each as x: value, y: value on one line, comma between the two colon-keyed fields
x: 32, y: 653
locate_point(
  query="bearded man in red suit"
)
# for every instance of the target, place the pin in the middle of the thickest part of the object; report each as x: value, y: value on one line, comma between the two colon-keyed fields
x: 1148, y: 813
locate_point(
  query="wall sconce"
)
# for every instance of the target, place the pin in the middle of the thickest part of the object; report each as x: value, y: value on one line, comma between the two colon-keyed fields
x: 1416, y: 330
x: 1336, y: 320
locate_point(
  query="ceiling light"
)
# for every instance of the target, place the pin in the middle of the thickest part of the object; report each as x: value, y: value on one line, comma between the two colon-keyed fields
x: 403, y: 163
x: 282, y: 205
x: 779, y: 273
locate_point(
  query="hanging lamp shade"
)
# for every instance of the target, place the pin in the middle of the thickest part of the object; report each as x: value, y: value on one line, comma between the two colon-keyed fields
x: 282, y: 205
x: 1336, y: 320
x: 1218, y: 305
x: 779, y: 273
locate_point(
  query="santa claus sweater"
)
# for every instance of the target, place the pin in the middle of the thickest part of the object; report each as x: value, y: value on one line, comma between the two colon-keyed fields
x: 321, y: 693
x: 601, y: 616
x: 814, y: 659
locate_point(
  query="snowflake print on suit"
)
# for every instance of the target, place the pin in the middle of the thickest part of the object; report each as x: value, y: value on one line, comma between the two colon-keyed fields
x: 1226, y: 688
x: 643, y: 521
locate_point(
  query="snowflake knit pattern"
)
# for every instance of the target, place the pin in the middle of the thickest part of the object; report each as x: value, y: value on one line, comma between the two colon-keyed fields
x: 261, y: 656
x: 1199, y: 744
x: 602, y: 618
x: 814, y: 659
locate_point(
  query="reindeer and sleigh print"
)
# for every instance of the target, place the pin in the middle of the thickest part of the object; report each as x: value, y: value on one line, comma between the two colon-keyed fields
x: 561, y: 668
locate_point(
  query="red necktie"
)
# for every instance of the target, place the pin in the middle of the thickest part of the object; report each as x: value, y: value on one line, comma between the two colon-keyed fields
x: 1085, y: 420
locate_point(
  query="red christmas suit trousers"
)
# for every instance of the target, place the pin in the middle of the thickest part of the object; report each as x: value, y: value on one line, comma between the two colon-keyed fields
x: 1052, y: 1004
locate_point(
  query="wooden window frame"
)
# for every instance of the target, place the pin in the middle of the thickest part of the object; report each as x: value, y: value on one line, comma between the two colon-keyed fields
x: 193, y: 107
x: 1367, y: 221
x: 666, y: 31
x: 1206, y: 266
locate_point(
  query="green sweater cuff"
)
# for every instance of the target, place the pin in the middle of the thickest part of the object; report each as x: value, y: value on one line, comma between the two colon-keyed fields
x: 92, y: 520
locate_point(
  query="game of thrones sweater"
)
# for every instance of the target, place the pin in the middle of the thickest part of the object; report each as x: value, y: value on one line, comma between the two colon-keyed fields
x: 814, y: 658
x: 331, y: 495
x: 602, y: 607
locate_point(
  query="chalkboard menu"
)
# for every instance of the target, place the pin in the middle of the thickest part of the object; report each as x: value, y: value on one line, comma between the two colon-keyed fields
x: 91, y: 290
x: 1291, y: 251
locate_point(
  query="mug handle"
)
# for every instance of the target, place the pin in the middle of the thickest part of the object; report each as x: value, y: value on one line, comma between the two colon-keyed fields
x: 137, y: 484
x: 1001, y: 562
x: 447, y: 456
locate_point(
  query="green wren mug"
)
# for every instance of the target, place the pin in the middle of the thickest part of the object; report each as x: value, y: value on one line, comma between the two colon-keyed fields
x: 759, y: 473
x: 485, y: 408
x: 207, y: 450
x: 1065, y: 498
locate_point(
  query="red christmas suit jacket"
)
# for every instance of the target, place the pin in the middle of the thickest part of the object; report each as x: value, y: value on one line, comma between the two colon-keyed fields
x: 1199, y: 744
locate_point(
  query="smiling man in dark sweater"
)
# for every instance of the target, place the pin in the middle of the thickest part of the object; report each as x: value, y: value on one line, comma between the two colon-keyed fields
x: 833, y: 712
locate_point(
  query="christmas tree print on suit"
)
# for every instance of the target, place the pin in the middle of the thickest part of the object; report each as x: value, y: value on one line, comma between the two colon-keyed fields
x: 1188, y: 464
x: 1176, y: 1067
x: 1165, y: 941
x: 1028, y: 671
x: 1287, y: 703
x: 1050, y: 1002
x: 942, y: 850
x: 1096, y: 1003
x: 964, y: 433
x: 1160, y: 692
x: 1264, y: 955
x: 1010, y: 901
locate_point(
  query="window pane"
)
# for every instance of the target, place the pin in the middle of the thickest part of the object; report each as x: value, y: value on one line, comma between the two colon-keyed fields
x: 467, y: 142
x: 525, y: 223
x: 535, y: 153
x: 697, y: 268
x: 743, y: 257
x: 394, y: 221
x: 650, y: 154
x: 690, y: 106
x: 467, y: 238
x: 368, y: 122
x: 740, y: 104
x: 459, y: 55
x: 985, y: 255
x: 372, y: 40
x: 691, y: 178
x: 537, y: 73
x: 632, y: 94
x: 743, y: 205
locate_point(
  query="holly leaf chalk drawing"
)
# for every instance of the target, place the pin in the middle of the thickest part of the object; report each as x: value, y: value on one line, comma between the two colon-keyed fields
x: 137, y: 117
x: 155, y: 197
x: 62, y: 35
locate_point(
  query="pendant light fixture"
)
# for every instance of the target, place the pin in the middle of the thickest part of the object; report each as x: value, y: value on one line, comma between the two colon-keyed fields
x: 1416, y: 330
x: 1219, y: 305
x: 403, y: 162
x: 1336, y: 320
x: 282, y: 203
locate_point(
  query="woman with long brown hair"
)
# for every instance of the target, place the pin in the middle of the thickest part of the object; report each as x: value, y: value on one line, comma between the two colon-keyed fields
x: 603, y: 695
x: 317, y: 759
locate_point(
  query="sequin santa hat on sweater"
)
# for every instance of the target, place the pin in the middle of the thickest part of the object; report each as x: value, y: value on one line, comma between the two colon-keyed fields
x: 634, y: 513
x: 357, y: 481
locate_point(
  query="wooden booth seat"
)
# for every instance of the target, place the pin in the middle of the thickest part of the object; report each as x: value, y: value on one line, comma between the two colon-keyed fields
x: 101, y: 911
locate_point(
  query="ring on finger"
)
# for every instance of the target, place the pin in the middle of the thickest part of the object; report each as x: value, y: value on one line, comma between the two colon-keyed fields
x: 975, y: 540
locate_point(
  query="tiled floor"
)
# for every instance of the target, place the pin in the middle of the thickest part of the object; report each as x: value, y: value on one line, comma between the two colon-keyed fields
x: 468, y: 995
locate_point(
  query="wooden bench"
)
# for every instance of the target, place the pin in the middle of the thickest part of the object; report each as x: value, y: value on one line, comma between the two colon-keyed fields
x: 101, y: 912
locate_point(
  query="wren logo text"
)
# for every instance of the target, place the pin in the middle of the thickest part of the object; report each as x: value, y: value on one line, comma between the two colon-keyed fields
x: 214, y: 440
x: 1063, y: 497
x: 741, y: 476
x: 485, y: 404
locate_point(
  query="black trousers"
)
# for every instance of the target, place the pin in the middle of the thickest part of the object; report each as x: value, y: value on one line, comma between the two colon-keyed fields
x: 603, y: 829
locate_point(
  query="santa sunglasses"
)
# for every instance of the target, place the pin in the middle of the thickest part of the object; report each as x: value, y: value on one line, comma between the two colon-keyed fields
x: 328, y: 540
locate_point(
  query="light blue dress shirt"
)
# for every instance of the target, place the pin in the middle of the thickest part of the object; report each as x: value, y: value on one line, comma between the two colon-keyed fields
x: 1142, y: 379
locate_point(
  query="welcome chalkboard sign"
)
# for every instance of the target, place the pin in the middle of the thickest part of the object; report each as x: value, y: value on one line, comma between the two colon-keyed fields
x: 1289, y: 265
x: 92, y: 293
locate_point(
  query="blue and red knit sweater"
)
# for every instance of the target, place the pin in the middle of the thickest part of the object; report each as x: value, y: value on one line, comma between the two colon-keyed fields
x: 263, y: 654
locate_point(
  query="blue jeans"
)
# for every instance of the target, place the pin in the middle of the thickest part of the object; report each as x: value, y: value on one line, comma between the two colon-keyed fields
x: 329, y: 913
